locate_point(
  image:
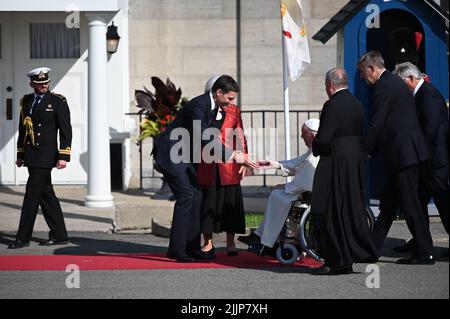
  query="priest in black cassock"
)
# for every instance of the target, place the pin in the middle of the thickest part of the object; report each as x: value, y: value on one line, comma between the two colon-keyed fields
x: 338, y: 204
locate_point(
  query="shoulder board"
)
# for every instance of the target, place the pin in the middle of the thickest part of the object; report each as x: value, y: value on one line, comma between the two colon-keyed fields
x: 62, y: 97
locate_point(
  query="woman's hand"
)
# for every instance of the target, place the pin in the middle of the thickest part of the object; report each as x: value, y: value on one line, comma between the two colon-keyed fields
x: 246, y: 171
x: 244, y: 159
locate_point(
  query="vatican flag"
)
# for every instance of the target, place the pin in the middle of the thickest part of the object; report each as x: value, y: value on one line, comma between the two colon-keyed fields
x: 295, y: 38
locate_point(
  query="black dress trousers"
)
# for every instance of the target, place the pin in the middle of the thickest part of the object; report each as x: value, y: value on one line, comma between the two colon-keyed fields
x: 39, y: 191
x: 401, y: 191
x: 185, y: 231
x: 434, y: 184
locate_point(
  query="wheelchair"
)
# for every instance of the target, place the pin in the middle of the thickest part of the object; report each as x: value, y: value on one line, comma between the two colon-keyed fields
x: 296, y: 239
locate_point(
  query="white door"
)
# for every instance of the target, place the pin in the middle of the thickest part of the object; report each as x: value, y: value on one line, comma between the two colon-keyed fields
x: 8, y: 108
x: 68, y: 77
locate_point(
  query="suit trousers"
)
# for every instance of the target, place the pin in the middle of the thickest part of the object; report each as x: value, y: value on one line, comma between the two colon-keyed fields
x: 185, y: 230
x: 401, y: 191
x: 434, y: 184
x: 39, y: 192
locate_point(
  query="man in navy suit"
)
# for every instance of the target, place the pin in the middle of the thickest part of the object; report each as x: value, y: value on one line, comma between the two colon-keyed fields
x: 395, y: 128
x: 432, y: 112
x: 177, y: 159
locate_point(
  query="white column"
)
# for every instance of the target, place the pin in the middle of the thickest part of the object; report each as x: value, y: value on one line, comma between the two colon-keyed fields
x: 99, y: 179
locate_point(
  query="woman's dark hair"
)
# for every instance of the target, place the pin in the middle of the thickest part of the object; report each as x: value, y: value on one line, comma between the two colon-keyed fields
x: 225, y: 83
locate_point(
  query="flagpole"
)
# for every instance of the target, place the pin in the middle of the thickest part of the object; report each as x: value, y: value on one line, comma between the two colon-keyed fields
x: 295, y: 56
x: 287, y: 129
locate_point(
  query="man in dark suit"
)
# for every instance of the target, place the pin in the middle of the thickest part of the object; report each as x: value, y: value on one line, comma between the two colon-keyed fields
x: 176, y: 159
x: 43, y: 115
x: 433, y: 118
x: 394, y: 127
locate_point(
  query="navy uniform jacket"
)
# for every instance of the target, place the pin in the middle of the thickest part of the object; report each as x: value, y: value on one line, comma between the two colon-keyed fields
x: 433, y: 117
x: 37, y: 143
x: 395, y: 126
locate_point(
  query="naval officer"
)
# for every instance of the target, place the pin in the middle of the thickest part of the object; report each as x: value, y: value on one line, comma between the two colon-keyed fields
x: 44, y: 116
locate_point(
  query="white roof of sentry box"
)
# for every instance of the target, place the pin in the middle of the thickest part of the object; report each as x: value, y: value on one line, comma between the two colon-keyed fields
x: 61, y: 5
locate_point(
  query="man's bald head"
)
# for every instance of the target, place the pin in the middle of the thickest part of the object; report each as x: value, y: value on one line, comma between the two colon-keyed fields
x: 335, y: 79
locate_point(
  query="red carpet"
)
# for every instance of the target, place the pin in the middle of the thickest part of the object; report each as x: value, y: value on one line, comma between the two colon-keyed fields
x: 140, y: 261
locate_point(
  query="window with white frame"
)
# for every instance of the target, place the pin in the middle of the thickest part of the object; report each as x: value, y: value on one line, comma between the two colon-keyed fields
x: 54, y: 41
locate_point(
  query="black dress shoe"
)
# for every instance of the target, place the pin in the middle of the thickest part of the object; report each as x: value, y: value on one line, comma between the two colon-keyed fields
x: 323, y: 270
x: 232, y: 253
x: 200, y: 255
x: 370, y: 260
x: 53, y: 242
x: 417, y: 261
x: 182, y: 258
x: 18, y: 244
x: 406, y: 248
x: 344, y: 270
x: 333, y: 271
x: 445, y: 254
x: 250, y: 239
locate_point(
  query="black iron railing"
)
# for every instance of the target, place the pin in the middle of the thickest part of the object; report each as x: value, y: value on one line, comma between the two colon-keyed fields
x: 253, y: 121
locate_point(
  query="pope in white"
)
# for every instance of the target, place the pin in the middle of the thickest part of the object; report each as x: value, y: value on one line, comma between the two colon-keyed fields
x: 281, y: 198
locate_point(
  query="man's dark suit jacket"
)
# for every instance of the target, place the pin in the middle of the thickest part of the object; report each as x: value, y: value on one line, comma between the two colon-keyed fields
x: 199, y: 108
x: 433, y: 117
x: 394, y: 126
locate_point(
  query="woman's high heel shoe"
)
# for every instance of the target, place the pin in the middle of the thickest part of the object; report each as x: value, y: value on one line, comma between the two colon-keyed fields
x: 209, y: 252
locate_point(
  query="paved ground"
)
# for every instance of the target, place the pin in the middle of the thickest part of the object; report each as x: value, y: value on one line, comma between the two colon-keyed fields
x: 90, y: 232
x: 396, y: 281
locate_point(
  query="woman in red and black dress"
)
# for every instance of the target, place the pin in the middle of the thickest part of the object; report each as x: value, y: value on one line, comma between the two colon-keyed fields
x: 223, y: 206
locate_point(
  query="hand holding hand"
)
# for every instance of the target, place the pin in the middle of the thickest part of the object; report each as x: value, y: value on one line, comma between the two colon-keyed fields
x: 244, y: 159
x: 268, y: 164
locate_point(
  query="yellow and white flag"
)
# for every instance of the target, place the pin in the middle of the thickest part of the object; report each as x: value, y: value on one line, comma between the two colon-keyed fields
x: 295, y: 38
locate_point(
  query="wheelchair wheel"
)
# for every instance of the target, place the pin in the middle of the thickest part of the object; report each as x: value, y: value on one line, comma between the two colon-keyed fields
x: 307, y: 241
x: 288, y: 254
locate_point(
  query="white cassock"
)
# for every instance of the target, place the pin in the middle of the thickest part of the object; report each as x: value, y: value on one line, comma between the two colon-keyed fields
x: 280, y: 201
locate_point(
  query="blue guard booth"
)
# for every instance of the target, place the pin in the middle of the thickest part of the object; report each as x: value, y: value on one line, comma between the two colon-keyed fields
x: 402, y: 30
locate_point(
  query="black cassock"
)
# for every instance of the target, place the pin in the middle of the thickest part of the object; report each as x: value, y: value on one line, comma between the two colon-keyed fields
x: 338, y: 204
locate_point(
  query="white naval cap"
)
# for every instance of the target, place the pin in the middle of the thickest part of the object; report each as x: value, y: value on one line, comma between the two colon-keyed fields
x: 313, y: 124
x: 39, y: 75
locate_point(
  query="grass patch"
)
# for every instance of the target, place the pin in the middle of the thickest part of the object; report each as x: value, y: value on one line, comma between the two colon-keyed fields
x: 253, y: 220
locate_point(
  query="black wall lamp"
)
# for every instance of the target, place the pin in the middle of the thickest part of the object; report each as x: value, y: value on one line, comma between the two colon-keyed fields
x: 112, y: 39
